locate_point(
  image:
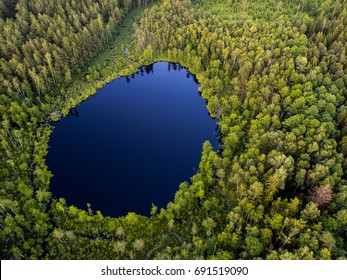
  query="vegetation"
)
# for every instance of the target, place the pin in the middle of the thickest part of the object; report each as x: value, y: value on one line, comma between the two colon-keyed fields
x: 274, y: 74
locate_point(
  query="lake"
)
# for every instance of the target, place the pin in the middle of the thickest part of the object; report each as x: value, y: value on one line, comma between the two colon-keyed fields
x: 132, y: 143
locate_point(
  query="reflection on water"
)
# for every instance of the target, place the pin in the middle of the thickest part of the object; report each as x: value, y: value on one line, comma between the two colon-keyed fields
x: 132, y: 143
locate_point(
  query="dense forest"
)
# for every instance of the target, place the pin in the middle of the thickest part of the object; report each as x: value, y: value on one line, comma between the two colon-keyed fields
x: 273, y: 73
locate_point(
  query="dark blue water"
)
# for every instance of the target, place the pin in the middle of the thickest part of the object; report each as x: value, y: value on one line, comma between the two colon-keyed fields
x: 132, y: 143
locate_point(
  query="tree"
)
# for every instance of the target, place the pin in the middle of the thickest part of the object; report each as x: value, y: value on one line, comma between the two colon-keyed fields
x: 322, y: 195
x: 148, y: 54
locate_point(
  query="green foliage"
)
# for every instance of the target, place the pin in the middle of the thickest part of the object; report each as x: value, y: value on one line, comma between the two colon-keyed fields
x: 272, y: 72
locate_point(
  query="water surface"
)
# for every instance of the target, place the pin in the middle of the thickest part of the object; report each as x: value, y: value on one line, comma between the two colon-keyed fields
x: 132, y: 143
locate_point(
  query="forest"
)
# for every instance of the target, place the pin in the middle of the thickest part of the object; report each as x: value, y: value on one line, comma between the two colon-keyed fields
x: 274, y: 74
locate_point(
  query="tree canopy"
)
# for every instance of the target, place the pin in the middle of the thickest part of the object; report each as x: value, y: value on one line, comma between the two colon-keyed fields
x: 274, y: 75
